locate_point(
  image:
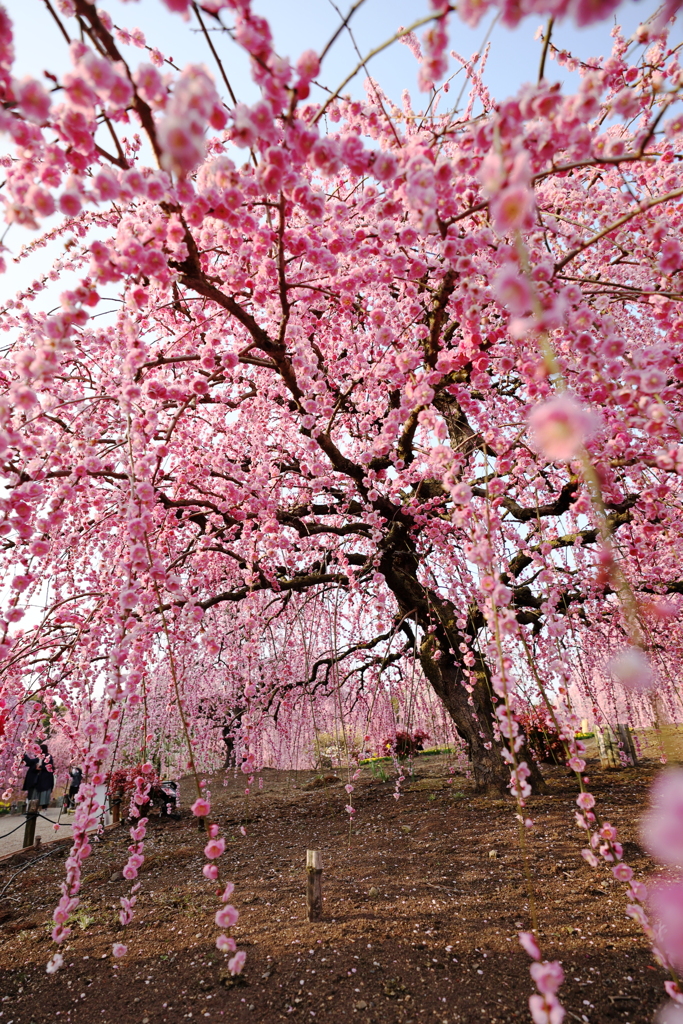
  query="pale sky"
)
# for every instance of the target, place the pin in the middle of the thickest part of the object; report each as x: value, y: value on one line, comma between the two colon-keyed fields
x: 308, y: 24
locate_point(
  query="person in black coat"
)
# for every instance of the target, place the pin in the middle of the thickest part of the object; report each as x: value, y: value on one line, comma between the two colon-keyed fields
x: 40, y: 778
x: 75, y: 779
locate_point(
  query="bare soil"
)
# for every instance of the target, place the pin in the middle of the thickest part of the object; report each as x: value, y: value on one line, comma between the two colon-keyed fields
x: 423, y: 898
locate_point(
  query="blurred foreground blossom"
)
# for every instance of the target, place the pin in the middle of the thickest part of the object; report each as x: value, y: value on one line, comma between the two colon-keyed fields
x: 631, y: 667
x: 665, y: 901
x: 670, y: 1013
x: 662, y: 825
x: 561, y: 426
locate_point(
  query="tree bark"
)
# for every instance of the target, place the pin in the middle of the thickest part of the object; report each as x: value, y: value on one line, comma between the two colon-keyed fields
x: 472, y: 712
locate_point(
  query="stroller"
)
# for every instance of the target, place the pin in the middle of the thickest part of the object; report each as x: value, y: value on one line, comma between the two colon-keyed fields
x: 165, y: 798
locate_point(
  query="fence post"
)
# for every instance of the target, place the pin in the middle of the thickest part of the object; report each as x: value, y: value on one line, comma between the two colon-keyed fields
x: 314, y: 888
x: 627, y: 744
x: 608, y: 756
x: 31, y: 818
x: 115, y: 804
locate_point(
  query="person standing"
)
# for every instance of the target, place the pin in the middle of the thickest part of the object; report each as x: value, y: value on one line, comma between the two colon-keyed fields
x: 40, y: 778
x: 76, y: 776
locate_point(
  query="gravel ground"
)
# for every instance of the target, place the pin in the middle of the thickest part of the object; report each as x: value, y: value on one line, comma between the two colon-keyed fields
x: 423, y: 898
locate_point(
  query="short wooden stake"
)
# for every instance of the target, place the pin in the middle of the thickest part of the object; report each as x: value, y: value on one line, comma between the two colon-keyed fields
x: 314, y: 888
x: 115, y: 804
x: 627, y: 744
x: 609, y: 758
x: 31, y: 818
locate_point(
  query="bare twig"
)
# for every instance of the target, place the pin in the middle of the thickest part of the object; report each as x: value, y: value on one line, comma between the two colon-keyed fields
x: 544, y: 52
x: 640, y: 208
x: 344, y: 24
x: 373, y: 53
x: 215, y: 55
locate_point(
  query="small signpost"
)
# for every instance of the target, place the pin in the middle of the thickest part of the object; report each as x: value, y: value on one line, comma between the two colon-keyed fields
x: 314, y: 888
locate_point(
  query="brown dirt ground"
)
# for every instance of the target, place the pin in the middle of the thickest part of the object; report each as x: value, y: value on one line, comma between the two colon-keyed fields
x: 434, y: 941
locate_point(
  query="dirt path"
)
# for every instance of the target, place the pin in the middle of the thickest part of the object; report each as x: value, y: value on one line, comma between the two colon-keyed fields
x: 420, y: 914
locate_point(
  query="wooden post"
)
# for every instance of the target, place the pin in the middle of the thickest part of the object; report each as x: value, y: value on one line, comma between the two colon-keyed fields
x: 314, y: 888
x: 31, y: 818
x: 115, y: 804
x: 627, y: 744
x: 609, y: 758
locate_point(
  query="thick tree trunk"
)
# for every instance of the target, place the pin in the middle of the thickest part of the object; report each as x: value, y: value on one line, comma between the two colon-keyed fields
x: 472, y: 716
x: 472, y: 712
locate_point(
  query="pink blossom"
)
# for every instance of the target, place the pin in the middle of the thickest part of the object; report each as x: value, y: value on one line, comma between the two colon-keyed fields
x: 40, y: 201
x: 665, y: 902
x: 674, y: 991
x: 70, y: 203
x: 201, y: 807
x: 118, y: 949
x: 638, y: 891
x: 461, y: 494
x: 182, y: 141
x: 586, y: 801
x: 33, y: 100
x: 548, y: 976
x: 60, y: 933
x: 671, y: 259
x: 150, y: 84
x: 210, y: 871
x: 55, y: 963
x: 384, y: 166
x: 308, y: 65
x: 622, y: 872
x: 670, y: 1013
x: 560, y: 427
x: 226, y: 944
x: 237, y: 962
x: 632, y: 668
x: 227, y: 916
x: 652, y: 380
x: 662, y: 824
x: 546, y: 1010
x: 23, y: 397
x: 227, y: 892
x: 511, y: 208
x: 527, y: 941
x: 512, y: 289
x: 214, y: 848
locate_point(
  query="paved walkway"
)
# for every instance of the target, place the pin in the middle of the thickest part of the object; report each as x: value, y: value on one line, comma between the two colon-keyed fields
x: 46, y: 831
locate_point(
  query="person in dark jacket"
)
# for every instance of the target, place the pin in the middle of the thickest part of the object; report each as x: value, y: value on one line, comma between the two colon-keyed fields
x: 76, y: 777
x: 40, y: 778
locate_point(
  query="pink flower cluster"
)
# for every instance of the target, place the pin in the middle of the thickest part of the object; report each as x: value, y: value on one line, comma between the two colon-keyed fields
x: 548, y: 976
x: 194, y: 104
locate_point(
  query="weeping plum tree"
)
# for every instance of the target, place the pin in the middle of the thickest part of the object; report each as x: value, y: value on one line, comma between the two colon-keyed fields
x: 332, y: 321
x: 420, y: 363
